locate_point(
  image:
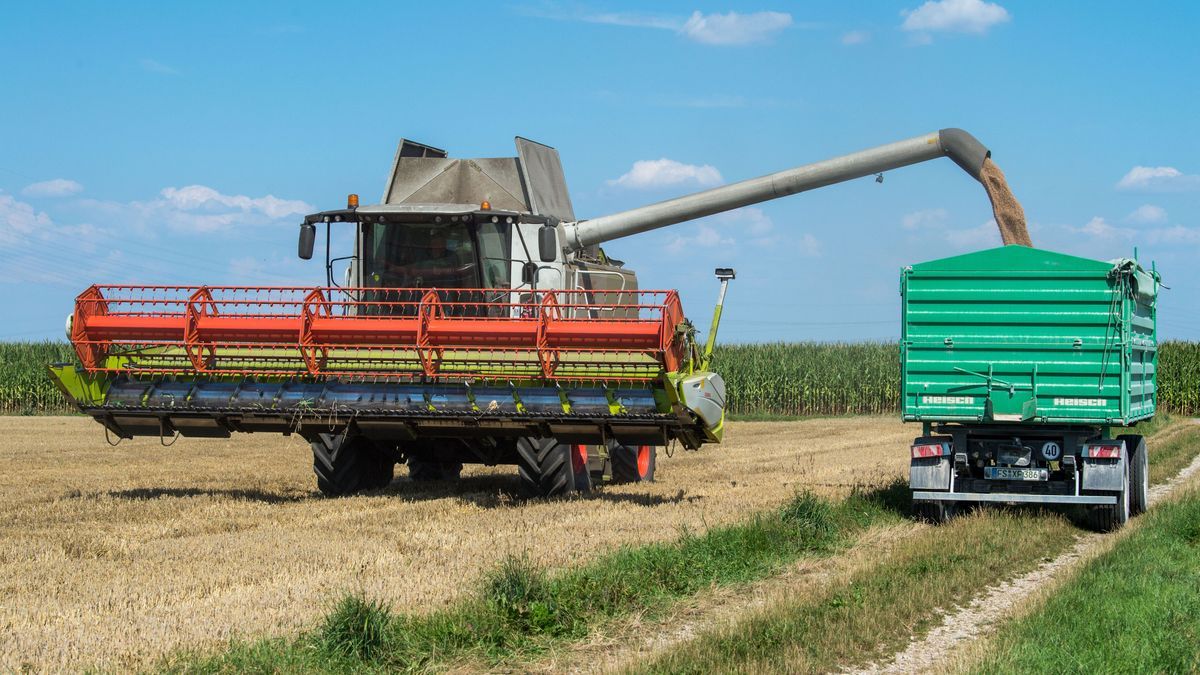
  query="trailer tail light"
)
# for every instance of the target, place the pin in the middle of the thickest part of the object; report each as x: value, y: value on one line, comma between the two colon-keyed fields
x: 1103, y: 450
x: 930, y: 450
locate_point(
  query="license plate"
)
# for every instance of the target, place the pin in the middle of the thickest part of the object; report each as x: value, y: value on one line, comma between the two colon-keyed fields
x: 1005, y: 473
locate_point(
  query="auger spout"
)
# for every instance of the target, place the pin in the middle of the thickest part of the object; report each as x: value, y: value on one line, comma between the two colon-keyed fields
x: 956, y: 144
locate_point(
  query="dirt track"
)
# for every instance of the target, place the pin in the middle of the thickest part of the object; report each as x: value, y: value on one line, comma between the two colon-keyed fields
x: 111, y: 556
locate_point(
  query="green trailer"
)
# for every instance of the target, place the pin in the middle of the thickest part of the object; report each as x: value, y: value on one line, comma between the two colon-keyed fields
x: 1019, y: 363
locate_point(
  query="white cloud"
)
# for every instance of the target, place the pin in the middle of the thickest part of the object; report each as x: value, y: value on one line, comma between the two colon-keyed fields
x: 734, y: 28
x: 58, y: 187
x: 986, y: 235
x: 749, y: 218
x: 38, y: 250
x: 704, y: 236
x: 856, y: 37
x: 924, y: 218
x: 658, y: 173
x: 1158, y: 179
x: 1177, y: 234
x: 194, y: 197
x: 954, y: 16
x: 631, y: 19
x: 197, y: 208
x: 809, y: 246
x: 1099, y: 228
x: 711, y: 29
x: 152, y: 66
x: 1147, y: 214
x: 19, y: 218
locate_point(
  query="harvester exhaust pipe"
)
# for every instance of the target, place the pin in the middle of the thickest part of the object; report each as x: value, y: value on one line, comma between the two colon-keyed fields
x: 958, y: 145
x: 724, y: 275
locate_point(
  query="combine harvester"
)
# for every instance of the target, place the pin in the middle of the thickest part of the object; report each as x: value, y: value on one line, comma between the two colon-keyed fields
x: 481, y: 322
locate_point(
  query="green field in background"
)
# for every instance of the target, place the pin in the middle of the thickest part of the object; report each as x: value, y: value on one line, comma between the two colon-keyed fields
x: 776, y: 379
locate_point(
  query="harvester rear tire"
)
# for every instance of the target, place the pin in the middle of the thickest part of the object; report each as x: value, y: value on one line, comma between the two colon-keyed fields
x: 632, y: 463
x: 382, y: 472
x: 345, y: 465
x: 547, y: 469
x: 421, y: 471
x: 1139, y: 474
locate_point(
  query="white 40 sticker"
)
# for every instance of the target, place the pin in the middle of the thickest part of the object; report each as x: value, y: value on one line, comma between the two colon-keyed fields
x: 1050, y: 450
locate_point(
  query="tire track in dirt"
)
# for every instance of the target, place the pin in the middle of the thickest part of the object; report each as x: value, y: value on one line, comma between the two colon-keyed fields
x: 614, y: 646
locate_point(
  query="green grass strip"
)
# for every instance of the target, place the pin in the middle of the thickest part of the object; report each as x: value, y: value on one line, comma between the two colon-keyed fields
x: 879, y: 608
x: 1134, y: 609
x: 521, y: 611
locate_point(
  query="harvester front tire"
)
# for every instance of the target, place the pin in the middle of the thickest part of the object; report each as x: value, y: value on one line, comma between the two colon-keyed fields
x: 547, y: 468
x: 1139, y: 474
x: 345, y: 465
x: 632, y: 463
x: 579, y: 467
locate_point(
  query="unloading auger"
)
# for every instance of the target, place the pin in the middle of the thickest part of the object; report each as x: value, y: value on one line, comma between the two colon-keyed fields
x: 480, y: 322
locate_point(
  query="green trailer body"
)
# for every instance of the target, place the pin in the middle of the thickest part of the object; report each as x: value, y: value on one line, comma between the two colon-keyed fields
x: 1017, y: 334
x: 1021, y: 364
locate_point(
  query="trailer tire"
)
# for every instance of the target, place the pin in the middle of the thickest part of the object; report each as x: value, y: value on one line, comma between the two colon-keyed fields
x: 346, y: 464
x: 1108, y: 517
x: 632, y: 464
x: 547, y: 468
x: 1139, y: 474
x: 936, y: 512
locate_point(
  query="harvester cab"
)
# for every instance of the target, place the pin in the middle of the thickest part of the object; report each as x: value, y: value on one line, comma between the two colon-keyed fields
x: 481, y: 323
x: 449, y: 223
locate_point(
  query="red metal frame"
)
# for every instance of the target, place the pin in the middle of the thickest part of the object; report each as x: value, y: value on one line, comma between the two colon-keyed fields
x: 360, y: 332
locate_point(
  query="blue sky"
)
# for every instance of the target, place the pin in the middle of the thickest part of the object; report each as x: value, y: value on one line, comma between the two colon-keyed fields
x: 180, y: 142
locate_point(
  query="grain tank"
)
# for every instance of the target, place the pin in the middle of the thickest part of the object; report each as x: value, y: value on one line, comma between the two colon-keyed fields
x: 1028, y: 370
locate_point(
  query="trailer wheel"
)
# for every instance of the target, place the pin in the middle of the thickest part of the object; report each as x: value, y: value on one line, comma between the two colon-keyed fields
x: 347, y: 464
x: 935, y: 513
x: 632, y: 463
x: 1139, y: 474
x: 547, y: 468
x: 422, y: 471
x: 1108, y: 517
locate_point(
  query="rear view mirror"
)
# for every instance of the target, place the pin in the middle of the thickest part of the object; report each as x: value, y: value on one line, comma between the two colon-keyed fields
x: 548, y: 243
x: 308, y: 236
x: 529, y: 273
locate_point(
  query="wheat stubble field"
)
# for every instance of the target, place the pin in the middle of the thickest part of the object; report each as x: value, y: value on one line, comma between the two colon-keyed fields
x: 110, y: 557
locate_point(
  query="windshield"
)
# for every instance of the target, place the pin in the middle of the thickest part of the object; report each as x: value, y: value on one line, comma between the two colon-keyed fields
x: 419, y: 255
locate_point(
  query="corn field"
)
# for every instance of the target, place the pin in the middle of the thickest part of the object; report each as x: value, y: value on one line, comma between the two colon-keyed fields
x: 25, y: 387
x: 769, y: 380
x: 1179, y: 377
x: 802, y: 379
